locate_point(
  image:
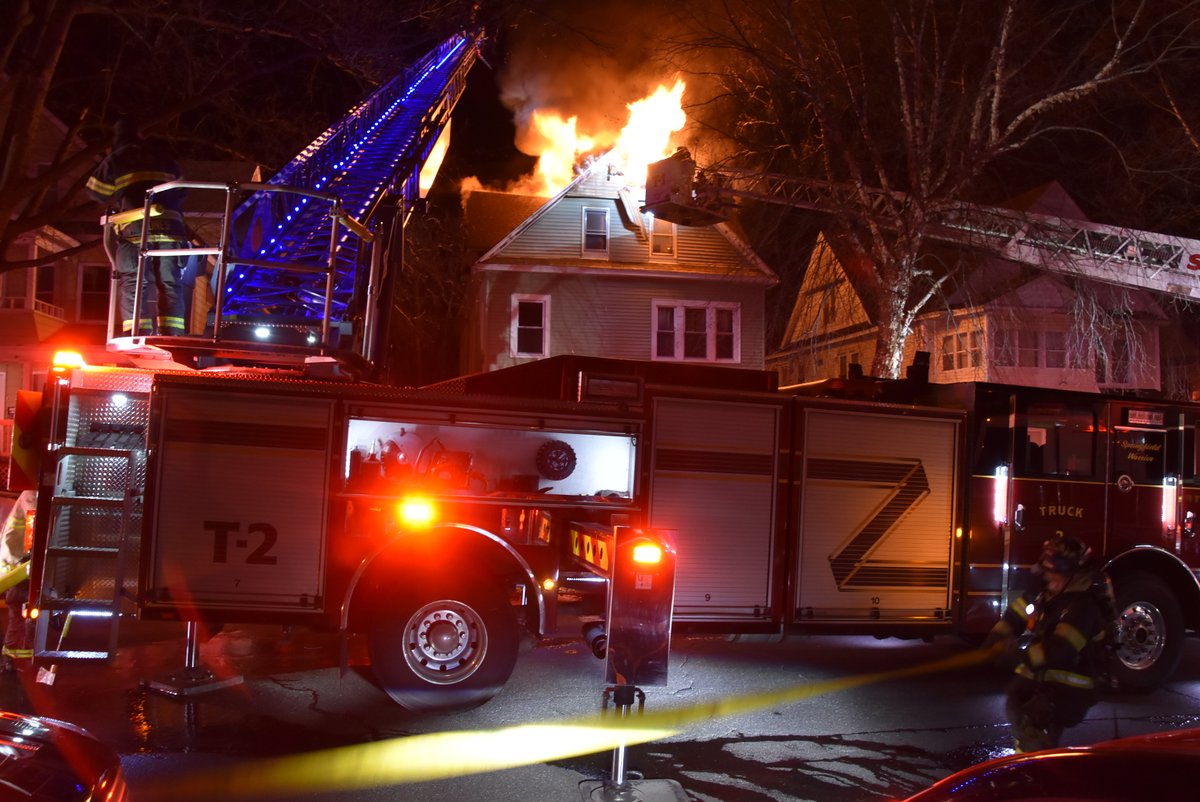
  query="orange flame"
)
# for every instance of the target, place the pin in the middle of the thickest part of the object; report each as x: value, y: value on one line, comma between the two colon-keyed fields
x: 646, y: 138
x: 560, y: 146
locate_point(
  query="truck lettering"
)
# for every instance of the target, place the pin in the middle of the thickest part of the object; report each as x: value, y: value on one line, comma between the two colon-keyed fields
x: 261, y: 555
x: 1061, y: 510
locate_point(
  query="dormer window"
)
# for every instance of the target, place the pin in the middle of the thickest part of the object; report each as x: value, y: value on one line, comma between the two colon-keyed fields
x: 662, y: 237
x: 595, y: 233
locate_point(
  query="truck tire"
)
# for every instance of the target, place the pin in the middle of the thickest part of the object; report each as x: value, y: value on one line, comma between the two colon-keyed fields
x: 447, y: 645
x: 1150, y: 624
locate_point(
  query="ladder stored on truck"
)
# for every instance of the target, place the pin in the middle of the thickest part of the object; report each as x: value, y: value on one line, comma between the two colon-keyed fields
x: 677, y: 191
x: 300, y: 262
x: 95, y: 512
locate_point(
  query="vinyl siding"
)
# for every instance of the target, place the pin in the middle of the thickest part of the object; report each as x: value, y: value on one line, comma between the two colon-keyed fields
x: 557, y: 236
x: 607, y: 315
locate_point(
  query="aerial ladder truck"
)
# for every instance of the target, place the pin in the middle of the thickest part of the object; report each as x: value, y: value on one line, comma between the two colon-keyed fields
x: 255, y: 471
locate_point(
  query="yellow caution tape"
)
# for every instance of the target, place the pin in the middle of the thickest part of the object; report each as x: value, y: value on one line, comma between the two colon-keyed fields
x: 438, y: 756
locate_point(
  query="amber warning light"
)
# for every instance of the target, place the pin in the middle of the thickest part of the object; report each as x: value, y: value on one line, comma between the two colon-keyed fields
x: 68, y: 359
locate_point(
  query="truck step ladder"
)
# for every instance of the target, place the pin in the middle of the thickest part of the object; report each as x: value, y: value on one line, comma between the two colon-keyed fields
x: 95, y: 506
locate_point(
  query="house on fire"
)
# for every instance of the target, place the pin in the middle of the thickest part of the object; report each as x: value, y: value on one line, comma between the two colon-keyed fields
x: 587, y: 272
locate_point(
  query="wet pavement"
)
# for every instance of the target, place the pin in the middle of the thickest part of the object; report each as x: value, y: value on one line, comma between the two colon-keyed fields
x: 876, y: 742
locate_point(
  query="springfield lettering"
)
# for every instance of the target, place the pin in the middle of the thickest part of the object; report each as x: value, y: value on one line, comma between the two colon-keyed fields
x: 1139, y: 452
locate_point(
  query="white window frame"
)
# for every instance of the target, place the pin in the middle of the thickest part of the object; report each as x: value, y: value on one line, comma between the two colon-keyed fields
x: 655, y: 236
x: 678, y: 332
x: 962, y: 349
x: 514, y: 328
x: 1024, y: 347
x: 594, y: 253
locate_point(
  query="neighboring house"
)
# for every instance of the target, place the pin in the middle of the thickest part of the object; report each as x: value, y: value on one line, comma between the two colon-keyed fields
x: 586, y: 272
x: 64, y: 304
x: 1003, y: 322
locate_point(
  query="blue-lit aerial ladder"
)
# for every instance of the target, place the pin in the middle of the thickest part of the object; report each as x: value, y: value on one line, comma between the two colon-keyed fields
x: 300, y: 271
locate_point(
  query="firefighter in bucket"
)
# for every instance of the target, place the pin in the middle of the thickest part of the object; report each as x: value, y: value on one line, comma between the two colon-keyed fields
x: 120, y: 182
x: 1071, y: 623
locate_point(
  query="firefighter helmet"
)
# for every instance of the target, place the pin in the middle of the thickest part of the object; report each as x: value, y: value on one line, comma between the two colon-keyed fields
x: 1063, y: 554
x: 124, y: 131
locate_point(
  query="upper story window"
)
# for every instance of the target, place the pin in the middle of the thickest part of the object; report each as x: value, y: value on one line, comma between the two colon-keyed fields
x: 595, y: 232
x: 662, y: 236
x: 1113, y: 362
x: 960, y: 350
x: 709, y: 332
x: 1030, y: 348
x: 530, y: 325
x: 94, y: 285
x: 14, y: 289
x: 44, y: 290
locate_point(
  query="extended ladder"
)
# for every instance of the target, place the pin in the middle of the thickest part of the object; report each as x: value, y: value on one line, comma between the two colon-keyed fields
x: 677, y: 191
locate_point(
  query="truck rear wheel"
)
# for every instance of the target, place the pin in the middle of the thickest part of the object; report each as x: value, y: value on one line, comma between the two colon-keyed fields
x: 443, y: 646
x: 1150, y: 625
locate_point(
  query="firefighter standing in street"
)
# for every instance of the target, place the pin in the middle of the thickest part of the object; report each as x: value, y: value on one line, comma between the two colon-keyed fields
x: 14, y: 578
x: 120, y: 182
x: 1071, y: 622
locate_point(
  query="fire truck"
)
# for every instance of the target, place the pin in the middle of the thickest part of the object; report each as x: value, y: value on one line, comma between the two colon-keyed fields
x: 1119, y: 473
x: 275, y: 485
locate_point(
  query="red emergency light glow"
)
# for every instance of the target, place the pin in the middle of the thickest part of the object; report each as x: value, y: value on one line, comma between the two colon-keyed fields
x: 1000, y: 495
x: 1169, y: 502
x: 416, y: 512
x: 68, y: 359
x: 647, y: 554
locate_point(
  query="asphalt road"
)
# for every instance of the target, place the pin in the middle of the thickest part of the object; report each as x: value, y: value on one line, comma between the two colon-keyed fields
x: 850, y: 739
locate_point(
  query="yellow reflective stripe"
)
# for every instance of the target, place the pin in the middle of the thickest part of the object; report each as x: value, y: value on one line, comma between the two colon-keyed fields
x: 1037, y: 655
x: 1024, y: 671
x: 99, y: 187
x: 1071, y: 635
x: 143, y: 177
x: 170, y: 322
x: 1068, y: 678
x: 17, y: 653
